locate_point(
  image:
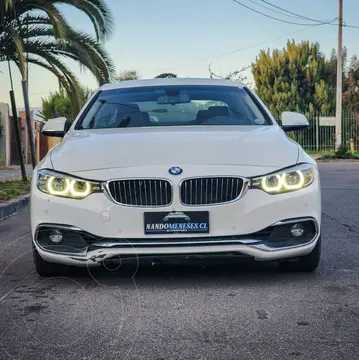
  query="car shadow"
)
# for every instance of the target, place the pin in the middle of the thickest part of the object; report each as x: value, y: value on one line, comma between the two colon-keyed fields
x: 185, y: 273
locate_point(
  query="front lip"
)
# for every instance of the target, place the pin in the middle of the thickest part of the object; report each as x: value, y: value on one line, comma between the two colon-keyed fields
x: 97, y: 252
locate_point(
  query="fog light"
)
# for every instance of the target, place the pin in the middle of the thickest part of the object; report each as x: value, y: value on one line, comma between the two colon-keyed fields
x: 297, y: 230
x: 56, y: 236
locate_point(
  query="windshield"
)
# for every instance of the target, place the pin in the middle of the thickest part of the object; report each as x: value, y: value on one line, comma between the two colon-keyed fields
x: 173, y: 106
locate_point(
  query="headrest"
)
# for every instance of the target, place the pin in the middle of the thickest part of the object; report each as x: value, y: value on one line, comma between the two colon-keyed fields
x: 129, y: 113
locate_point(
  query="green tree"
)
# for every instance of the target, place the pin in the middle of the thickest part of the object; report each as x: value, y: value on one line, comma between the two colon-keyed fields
x: 128, y: 75
x: 296, y: 78
x: 58, y: 104
x: 165, y: 75
x: 351, y: 85
x: 36, y: 32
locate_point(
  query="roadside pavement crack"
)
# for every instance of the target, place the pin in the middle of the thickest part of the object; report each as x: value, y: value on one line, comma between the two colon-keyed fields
x: 349, y: 227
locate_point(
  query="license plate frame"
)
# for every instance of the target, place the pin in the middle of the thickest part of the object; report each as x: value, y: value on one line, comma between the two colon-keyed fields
x: 187, y: 222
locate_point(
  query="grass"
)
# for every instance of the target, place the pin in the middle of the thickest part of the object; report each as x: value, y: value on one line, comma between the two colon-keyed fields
x: 330, y: 154
x: 13, y: 189
x: 333, y: 156
x: 315, y: 152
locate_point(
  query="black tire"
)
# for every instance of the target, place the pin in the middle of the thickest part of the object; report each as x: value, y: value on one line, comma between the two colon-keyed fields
x: 308, y: 263
x: 45, y: 268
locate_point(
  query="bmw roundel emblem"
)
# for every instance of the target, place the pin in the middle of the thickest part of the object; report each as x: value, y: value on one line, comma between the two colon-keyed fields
x: 175, y: 170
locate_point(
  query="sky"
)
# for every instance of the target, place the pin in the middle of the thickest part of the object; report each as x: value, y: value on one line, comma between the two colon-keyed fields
x: 185, y: 36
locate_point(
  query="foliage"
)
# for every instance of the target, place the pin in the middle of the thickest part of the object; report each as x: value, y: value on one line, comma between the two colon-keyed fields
x: 351, y: 86
x: 128, y: 75
x: 58, y: 104
x: 38, y: 29
x: 296, y: 78
x: 165, y: 75
x: 13, y: 189
x: 342, y: 150
x: 346, y: 156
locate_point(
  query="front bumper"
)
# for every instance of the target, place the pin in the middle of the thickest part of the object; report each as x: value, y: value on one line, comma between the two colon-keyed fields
x: 118, y: 228
x: 80, y: 248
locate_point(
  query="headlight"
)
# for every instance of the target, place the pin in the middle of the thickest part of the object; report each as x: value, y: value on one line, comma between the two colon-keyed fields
x: 57, y: 184
x: 286, y: 180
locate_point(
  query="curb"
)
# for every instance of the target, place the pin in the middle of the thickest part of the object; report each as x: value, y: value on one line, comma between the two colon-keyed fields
x: 14, y: 206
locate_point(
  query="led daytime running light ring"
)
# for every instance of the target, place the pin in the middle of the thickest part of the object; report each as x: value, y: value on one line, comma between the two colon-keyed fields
x: 51, y: 189
x: 69, y: 189
x: 296, y: 186
x: 75, y: 193
x: 268, y: 188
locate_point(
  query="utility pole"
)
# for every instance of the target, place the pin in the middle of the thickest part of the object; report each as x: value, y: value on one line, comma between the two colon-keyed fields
x: 339, y: 77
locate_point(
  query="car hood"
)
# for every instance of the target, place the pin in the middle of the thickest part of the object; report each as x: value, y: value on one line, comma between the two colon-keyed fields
x: 260, y: 146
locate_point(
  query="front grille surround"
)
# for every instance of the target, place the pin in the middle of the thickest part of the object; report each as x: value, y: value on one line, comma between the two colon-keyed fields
x: 157, y: 192
x: 240, y: 188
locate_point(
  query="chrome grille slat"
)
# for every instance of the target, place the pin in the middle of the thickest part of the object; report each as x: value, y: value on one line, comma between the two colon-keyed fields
x: 161, y: 191
x: 210, y: 190
x: 227, y: 182
x: 238, y: 189
x: 206, y: 192
x: 135, y: 193
x: 145, y: 187
x: 150, y: 193
x: 232, y: 187
x: 130, y: 191
x: 141, y: 192
x: 122, y: 192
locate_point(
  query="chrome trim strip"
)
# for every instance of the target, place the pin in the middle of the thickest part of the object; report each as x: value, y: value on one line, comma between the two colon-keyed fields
x: 181, y: 243
x: 244, y: 189
x: 96, y: 257
x: 58, y: 226
x: 264, y: 247
x: 106, y: 186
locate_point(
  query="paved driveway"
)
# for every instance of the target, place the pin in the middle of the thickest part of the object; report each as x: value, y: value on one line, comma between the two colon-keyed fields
x: 191, y: 311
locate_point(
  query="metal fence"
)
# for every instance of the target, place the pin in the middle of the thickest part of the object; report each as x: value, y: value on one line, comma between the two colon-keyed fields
x: 320, y: 136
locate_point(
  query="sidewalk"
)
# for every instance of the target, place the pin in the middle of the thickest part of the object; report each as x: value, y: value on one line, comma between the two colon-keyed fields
x: 316, y: 156
x: 14, y: 172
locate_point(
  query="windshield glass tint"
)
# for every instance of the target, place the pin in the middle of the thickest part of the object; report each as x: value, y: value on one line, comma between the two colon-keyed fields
x: 173, y: 106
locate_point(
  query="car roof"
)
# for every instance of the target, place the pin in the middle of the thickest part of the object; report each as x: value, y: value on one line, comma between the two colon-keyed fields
x: 171, y: 81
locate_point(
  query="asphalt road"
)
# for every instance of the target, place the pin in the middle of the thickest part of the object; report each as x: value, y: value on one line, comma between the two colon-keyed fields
x: 191, y: 310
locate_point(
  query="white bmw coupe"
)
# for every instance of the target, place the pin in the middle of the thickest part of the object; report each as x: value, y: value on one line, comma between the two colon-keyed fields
x: 170, y: 167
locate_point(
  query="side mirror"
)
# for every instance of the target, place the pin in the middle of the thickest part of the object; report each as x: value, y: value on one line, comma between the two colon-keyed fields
x: 292, y: 121
x: 56, y: 127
